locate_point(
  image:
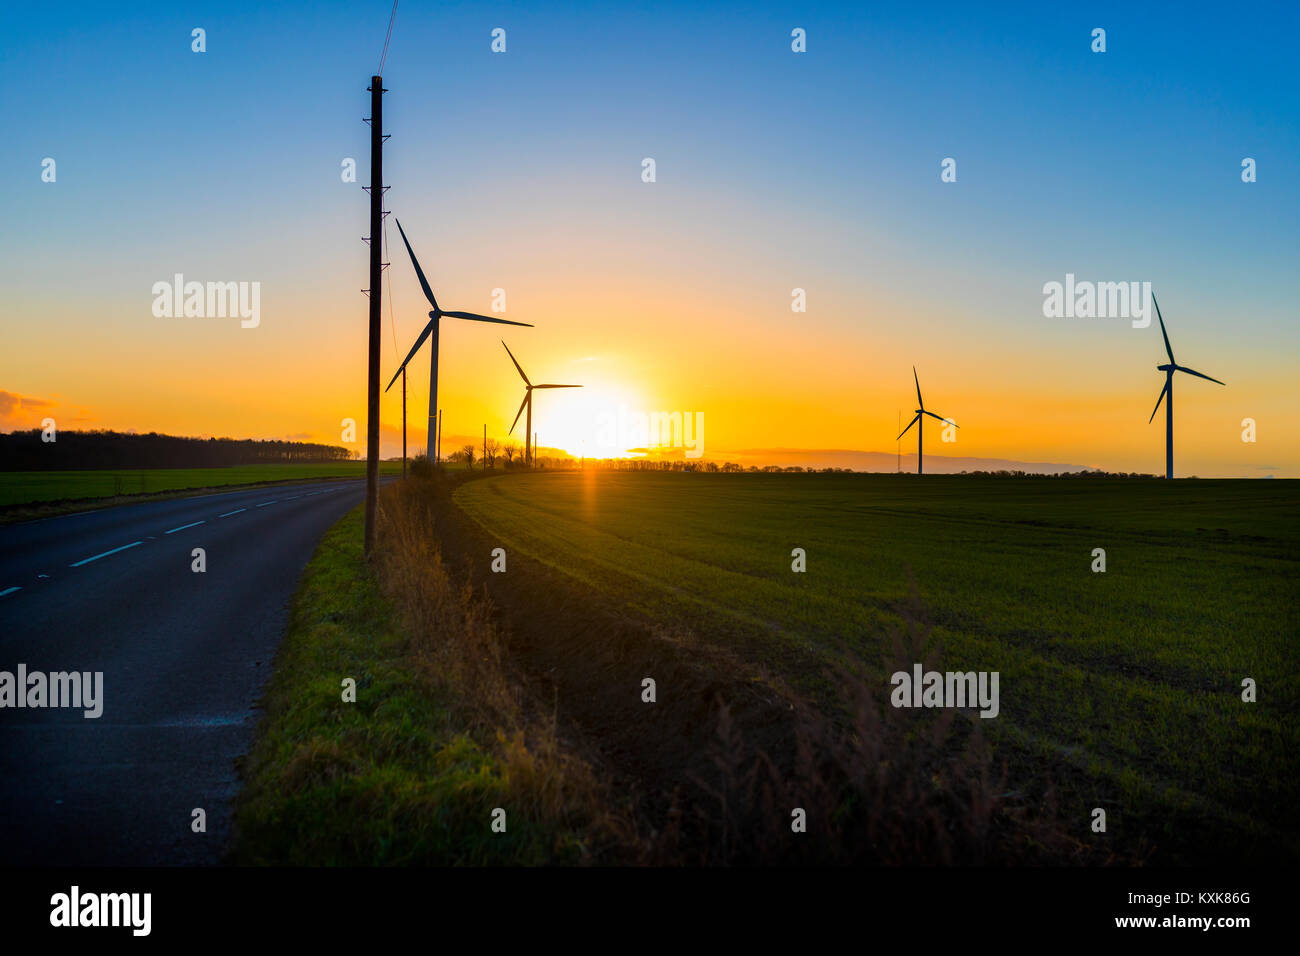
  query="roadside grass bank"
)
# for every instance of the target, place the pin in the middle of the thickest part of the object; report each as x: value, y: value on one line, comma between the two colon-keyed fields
x: 439, y: 736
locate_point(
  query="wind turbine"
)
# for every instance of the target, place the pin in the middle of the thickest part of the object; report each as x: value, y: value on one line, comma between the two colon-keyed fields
x: 921, y: 410
x: 1169, y: 390
x: 432, y: 329
x: 527, y: 403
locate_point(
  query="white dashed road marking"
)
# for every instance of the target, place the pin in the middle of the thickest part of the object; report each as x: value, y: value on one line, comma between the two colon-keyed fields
x: 104, y: 555
x: 192, y: 524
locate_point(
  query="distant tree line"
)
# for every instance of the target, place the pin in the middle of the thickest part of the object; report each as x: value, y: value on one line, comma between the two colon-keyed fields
x: 698, y: 466
x: 1088, y: 473
x: 25, y: 451
x: 492, y: 453
x: 710, y: 467
x: 510, y: 456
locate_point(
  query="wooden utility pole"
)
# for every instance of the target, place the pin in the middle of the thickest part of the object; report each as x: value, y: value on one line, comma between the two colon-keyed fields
x: 376, y: 293
x: 485, y: 447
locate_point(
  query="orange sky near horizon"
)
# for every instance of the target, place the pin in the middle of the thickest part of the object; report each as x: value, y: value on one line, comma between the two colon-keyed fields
x: 835, y: 377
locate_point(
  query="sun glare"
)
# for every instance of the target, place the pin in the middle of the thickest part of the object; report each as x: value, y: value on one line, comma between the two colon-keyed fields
x: 584, y: 421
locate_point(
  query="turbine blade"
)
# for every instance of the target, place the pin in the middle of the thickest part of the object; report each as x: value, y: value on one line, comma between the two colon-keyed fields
x: 484, y: 318
x: 914, y: 420
x: 1192, y: 371
x: 518, y: 413
x: 1168, y: 348
x: 557, y: 386
x: 1158, y: 401
x: 517, y: 365
x: 944, y: 420
x: 414, y: 348
x: 424, y: 283
x: 918, y: 388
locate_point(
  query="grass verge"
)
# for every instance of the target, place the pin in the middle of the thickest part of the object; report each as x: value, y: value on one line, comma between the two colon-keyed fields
x: 412, y: 772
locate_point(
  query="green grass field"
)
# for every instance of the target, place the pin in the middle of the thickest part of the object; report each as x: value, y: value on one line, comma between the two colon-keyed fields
x: 31, y: 487
x: 1122, y: 689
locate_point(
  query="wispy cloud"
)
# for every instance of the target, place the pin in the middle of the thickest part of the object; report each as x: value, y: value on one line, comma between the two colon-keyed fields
x: 22, y: 411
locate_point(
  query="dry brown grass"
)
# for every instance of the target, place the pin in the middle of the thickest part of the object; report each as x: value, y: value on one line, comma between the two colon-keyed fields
x: 459, y: 648
x: 879, y: 785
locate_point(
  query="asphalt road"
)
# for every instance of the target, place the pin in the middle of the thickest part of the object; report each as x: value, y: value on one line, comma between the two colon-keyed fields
x: 184, y: 655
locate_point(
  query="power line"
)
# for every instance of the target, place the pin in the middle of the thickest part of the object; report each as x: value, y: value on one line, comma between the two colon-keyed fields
x: 391, y: 18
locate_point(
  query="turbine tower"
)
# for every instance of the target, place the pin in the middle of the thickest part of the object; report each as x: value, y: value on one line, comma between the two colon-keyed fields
x: 527, y: 403
x: 921, y: 410
x: 1168, y: 390
x: 432, y: 330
